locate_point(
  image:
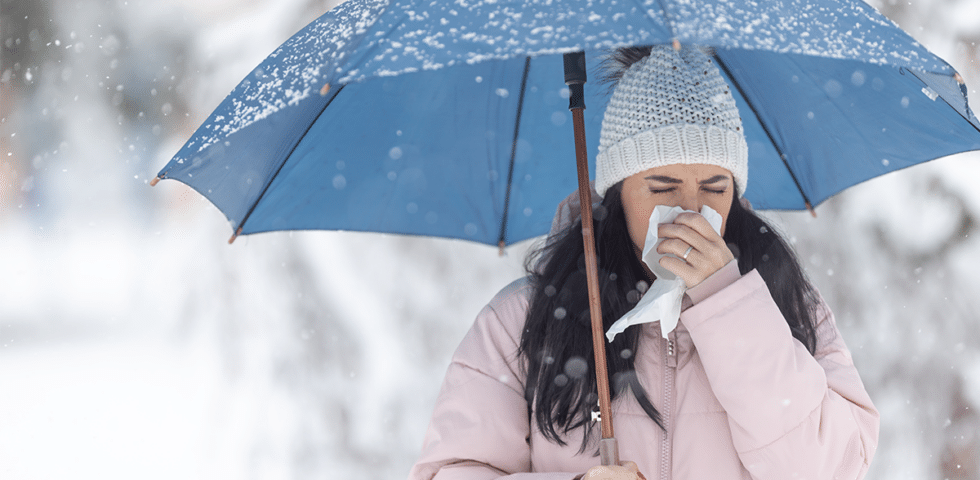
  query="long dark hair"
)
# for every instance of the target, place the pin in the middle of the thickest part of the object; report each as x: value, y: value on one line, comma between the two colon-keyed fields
x: 556, y: 345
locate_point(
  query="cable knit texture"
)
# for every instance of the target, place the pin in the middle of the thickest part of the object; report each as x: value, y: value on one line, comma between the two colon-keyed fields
x: 671, y: 107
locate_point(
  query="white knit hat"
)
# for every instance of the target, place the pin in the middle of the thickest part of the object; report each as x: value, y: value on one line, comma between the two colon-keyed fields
x: 670, y: 107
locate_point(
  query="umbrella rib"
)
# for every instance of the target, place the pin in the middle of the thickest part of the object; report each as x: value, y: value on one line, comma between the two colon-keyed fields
x: 272, y: 178
x: 670, y: 25
x: 782, y: 156
x: 967, y: 104
x: 513, y: 154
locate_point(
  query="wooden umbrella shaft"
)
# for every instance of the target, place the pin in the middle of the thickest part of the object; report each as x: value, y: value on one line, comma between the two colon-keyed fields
x: 592, y: 276
x: 575, y: 78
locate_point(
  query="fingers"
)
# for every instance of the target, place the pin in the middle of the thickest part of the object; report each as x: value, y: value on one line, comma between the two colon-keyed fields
x: 632, y: 467
x: 699, y: 250
x: 676, y: 247
x: 685, y: 271
x: 690, y: 227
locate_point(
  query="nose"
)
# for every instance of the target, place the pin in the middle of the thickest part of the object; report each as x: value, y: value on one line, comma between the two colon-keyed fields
x: 690, y: 200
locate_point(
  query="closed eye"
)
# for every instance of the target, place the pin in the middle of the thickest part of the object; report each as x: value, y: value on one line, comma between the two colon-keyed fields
x: 713, y: 182
x: 671, y: 189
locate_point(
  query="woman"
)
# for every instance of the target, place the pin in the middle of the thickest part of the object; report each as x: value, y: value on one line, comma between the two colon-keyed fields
x: 754, y: 381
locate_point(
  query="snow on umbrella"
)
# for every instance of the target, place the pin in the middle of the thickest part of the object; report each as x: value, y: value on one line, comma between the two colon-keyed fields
x: 448, y: 118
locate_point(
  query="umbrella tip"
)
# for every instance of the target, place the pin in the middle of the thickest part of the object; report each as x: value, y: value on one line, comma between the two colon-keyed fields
x: 959, y: 78
x: 155, y: 181
x: 325, y: 89
x: 501, y: 246
x: 810, y: 208
x: 677, y: 45
x: 235, y: 235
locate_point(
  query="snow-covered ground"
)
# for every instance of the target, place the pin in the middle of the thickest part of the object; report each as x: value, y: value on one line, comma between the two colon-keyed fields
x: 134, y: 342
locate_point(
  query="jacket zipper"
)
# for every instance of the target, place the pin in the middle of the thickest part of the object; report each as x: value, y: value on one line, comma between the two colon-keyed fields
x: 670, y: 364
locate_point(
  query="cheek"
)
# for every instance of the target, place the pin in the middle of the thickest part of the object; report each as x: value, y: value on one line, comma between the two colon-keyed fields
x: 637, y: 221
x: 638, y: 230
x: 723, y: 208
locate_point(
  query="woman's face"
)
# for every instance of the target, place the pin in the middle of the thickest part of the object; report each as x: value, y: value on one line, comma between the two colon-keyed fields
x: 687, y: 186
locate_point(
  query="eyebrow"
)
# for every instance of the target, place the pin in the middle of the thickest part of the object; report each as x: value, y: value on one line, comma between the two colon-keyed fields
x: 714, y: 179
x: 665, y: 179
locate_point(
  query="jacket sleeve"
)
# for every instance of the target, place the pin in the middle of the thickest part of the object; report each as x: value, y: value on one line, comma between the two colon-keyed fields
x: 479, y: 429
x: 791, y: 414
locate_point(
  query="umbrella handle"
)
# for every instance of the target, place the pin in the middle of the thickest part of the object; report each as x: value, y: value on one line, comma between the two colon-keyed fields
x: 575, y: 78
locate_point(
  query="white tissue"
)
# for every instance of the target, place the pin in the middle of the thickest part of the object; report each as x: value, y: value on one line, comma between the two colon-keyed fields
x: 662, y: 301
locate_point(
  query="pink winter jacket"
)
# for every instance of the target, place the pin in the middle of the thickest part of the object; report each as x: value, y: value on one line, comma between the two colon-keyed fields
x: 740, y: 398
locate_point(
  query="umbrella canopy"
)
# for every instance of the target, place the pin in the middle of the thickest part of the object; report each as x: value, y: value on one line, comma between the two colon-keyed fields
x: 449, y: 118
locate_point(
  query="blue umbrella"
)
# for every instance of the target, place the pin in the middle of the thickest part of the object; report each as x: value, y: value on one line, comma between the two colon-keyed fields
x: 448, y: 118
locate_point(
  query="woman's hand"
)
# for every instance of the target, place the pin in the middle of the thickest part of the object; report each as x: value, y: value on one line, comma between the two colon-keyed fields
x: 700, y: 251
x: 624, y: 471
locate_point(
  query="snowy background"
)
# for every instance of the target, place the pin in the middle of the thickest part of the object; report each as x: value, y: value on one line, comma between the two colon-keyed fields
x: 134, y: 342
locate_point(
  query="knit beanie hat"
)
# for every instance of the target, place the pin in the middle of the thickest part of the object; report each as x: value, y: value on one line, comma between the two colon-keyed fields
x: 670, y: 107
